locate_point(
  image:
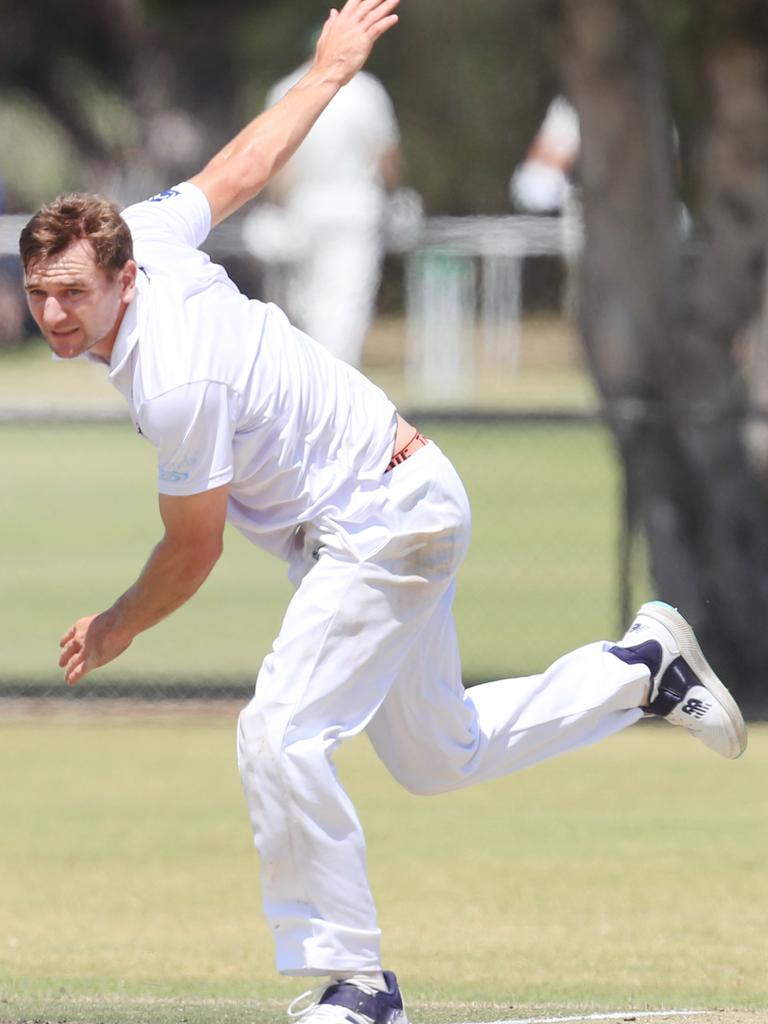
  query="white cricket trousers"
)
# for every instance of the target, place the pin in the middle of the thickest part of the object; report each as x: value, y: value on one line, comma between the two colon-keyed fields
x: 368, y: 642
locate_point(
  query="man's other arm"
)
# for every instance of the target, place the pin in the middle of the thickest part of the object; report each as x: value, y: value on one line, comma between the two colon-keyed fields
x: 391, y: 167
x: 243, y: 167
x: 189, y: 549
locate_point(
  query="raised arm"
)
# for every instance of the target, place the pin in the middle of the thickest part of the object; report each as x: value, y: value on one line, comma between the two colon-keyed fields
x: 243, y: 167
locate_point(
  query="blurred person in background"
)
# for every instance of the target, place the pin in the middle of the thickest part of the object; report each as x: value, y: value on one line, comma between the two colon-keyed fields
x: 12, y: 309
x: 333, y: 199
x: 257, y: 425
x: 542, y: 183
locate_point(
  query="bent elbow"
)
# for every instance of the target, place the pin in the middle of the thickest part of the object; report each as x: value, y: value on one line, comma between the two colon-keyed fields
x: 195, y: 557
x: 209, y: 551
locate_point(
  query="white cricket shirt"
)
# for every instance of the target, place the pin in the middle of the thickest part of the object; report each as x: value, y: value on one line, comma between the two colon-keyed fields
x: 229, y: 392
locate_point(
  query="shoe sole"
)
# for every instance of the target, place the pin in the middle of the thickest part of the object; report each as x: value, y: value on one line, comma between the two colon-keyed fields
x: 685, y: 639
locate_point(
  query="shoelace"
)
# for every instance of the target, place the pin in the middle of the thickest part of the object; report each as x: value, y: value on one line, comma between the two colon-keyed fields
x: 311, y: 993
x: 329, y: 1011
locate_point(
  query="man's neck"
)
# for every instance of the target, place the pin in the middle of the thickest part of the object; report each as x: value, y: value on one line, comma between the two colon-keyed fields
x: 103, y: 349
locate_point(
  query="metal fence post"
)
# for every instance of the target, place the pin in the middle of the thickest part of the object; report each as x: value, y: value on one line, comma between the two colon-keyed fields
x: 440, y: 313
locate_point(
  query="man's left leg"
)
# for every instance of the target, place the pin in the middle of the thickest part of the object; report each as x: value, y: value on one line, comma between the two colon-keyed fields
x: 434, y: 736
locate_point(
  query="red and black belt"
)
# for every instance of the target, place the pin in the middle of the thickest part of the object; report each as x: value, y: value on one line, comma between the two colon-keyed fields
x: 409, y: 448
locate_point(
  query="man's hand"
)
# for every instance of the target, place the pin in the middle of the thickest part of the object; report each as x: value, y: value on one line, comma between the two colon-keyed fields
x: 89, y: 643
x: 349, y: 34
x: 177, y: 567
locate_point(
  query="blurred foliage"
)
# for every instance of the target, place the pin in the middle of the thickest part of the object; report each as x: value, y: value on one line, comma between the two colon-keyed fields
x: 688, y: 31
x: 470, y: 82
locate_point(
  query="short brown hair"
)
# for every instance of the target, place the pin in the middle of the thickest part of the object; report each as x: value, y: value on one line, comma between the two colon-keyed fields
x: 73, y: 216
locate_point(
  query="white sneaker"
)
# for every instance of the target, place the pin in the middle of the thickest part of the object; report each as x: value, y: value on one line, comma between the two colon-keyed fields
x: 684, y: 689
x: 351, y: 1002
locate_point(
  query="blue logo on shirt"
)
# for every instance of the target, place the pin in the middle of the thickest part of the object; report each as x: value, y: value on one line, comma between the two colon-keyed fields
x: 168, y: 194
x: 172, y: 476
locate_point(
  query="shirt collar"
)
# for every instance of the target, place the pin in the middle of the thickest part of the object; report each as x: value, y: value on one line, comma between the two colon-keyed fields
x: 128, y: 333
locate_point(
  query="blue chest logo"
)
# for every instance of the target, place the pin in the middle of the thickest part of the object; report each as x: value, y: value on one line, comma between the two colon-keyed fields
x: 168, y: 194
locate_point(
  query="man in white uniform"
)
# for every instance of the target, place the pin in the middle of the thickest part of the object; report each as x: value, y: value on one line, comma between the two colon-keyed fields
x: 333, y: 194
x: 542, y: 182
x: 257, y: 424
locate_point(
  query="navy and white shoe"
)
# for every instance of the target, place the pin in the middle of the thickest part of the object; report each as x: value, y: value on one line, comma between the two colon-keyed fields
x: 351, y: 1002
x: 684, y: 689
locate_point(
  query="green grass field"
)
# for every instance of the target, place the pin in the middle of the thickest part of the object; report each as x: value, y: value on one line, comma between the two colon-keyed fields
x: 629, y: 877
x: 550, y: 373
x: 625, y: 877
x: 78, y: 517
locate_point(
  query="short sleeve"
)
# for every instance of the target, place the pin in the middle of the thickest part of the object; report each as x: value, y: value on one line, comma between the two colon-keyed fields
x: 180, y: 214
x: 192, y: 427
x: 560, y: 130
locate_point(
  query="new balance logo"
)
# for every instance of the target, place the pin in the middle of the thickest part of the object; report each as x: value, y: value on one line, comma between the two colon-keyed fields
x: 635, y: 627
x: 695, y: 707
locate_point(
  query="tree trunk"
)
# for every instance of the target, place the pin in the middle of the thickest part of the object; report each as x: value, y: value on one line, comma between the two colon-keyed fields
x: 660, y: 314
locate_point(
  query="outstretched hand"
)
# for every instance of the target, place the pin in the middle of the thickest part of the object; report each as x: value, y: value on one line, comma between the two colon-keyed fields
x: 349, y: 34
x: 92, y: 641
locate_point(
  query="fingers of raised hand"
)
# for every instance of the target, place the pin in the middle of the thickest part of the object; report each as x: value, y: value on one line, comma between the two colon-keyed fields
x: 369, y: 12
x: 373, y: 6
x: 379, y: 19
x: 381, y: 26
x: 374, y: 10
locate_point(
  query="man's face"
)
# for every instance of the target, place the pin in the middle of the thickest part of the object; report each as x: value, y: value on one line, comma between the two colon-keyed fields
x: 76, y: 305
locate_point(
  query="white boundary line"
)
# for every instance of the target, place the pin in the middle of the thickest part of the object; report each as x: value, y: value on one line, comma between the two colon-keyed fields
x: 624, y: 1015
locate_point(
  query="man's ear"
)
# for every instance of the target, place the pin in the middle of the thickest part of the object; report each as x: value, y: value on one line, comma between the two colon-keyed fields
x: 128, y: 280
